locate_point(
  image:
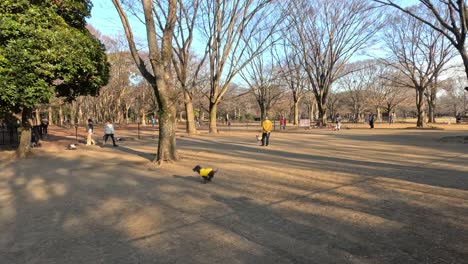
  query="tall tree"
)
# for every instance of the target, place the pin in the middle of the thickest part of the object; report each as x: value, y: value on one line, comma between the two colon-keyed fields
x: 160, y: 75
x: 187, y: 67
x: 229, y: 26
x: 449, y: 18
x: 327, y: 34
x: 45, y: 51
x: 354, y: 86
x: 419, y: 53
x: 456, y: 97
x: 262, y: 78
x: 293, y: 75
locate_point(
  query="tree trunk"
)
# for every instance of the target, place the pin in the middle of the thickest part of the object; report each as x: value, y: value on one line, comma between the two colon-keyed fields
x: 420, y: 106
x: 72, y: 113
x: 51, y: 116
x: 379, y: 114
x: 296, y: 113
x: 38, y: 117
x: 143, y: 117
x: 127, y: 108
x: 311, y: 112
x: 322, y: 118
x: 167, y: 150
x: 431, y: 112
x: 60, y: 115
x: 213, y: 109
x: 190, y: 117
x: 263, y: 113
x: 181, y: 116
x: 464, y: 56
x: 80, y: 114
x: 24, y: 147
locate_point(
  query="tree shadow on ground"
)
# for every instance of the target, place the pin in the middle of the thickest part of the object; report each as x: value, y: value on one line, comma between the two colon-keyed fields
x: 188, y: 178
x: 326, y: 231
x: 129, y: 150
x: 418, y: 173
x: 59, y: 210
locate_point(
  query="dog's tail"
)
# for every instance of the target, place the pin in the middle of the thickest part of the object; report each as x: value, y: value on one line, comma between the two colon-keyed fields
x: 212, y: 174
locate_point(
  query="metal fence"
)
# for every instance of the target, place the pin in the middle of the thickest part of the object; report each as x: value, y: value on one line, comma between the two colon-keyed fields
x: 9, y: 137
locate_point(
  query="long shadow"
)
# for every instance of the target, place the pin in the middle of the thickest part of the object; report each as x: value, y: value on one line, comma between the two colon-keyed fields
x: 429, y: 139
x: 77, y: 211
x: 412, y: 173
x: 59, y: 210
x: 129, y: 150
x: 319, y: 237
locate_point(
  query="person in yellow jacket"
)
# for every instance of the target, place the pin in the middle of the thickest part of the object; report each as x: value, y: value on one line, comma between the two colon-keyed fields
x: 266, y: 127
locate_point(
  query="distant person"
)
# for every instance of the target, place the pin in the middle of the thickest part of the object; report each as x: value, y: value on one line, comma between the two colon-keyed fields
x: 153, y: 121
x: 371, y: 119
x: 109, y: 132
x: 283, y: 123
x: 266, y: 127
x: 44, y: 125
x: 338, y: 122
x: 459, y: 119
x: 89, y: 140
x: 391, y: 118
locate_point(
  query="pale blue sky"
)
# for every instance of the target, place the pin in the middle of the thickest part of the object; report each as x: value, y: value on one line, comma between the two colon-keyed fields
x: 104, y: 18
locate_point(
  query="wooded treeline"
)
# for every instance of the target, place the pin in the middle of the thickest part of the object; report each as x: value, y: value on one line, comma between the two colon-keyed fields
x: 244, y: 59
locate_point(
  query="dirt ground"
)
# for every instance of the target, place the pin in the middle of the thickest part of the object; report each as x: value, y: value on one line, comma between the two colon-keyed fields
x: 388, y: 195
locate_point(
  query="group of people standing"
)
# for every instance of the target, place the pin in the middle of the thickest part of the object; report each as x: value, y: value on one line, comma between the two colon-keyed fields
x: 108, y: 132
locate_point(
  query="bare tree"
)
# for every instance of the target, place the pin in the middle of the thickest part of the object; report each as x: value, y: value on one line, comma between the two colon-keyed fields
x: 419, y: 53
x: 262, y: 78
x: 361, y: 87
x: 160, y: 58
x: 335, y: 103
x: 456, y: 98
x: 377, y: 89
x: 449, y: 18
x: 327, y: 34
x: 395, y: 94
x: 229, y: 27
x: 293, y: 75
x: 186, y: 65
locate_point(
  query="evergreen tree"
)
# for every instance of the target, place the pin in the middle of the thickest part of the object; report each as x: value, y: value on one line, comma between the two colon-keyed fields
x: 46, y: 51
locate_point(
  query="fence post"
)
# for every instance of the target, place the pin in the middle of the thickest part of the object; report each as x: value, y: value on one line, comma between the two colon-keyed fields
x: 76, y: 132
x: 138, y: 130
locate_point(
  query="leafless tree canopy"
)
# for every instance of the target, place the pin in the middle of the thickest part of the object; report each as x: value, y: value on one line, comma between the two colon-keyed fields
x: 327, y: 34
x: 419, y: 53
x: 448, y: 18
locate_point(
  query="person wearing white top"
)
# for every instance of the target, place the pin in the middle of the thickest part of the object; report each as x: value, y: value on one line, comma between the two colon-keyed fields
x: 109, y: 132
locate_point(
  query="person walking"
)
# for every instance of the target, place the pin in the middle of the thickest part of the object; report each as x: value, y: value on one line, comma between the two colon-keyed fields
x: 371, y: 119
x: 391, y: 118
x: 44, y: 125
x: 338, y: 122
x: 109, y: 132
x: 283, y: 123
x: 89, y: 140
x: 266, y: 127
